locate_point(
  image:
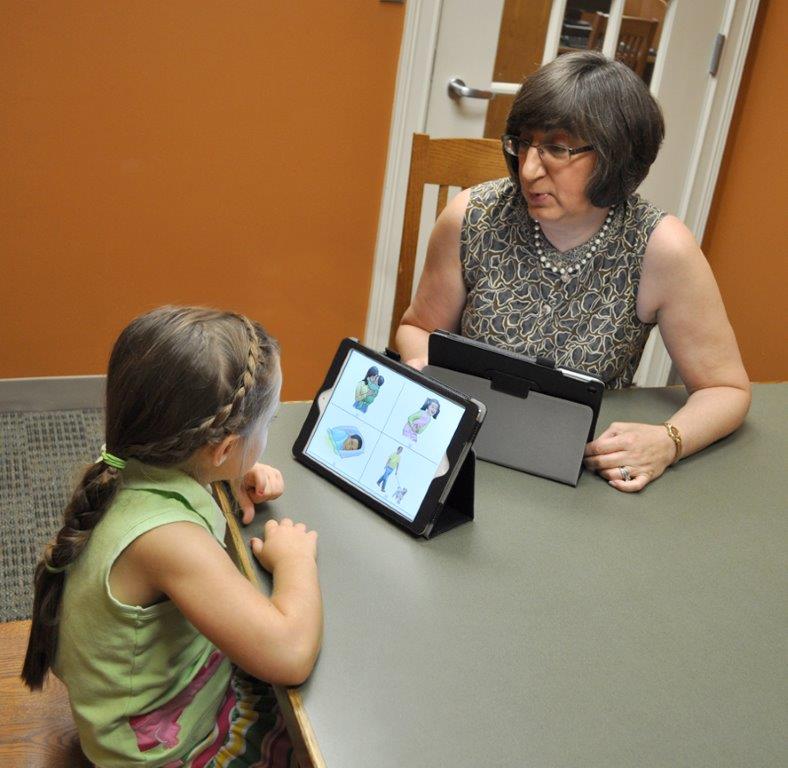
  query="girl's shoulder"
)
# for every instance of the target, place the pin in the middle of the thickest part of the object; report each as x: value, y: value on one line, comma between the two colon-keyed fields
x: 153, y: 496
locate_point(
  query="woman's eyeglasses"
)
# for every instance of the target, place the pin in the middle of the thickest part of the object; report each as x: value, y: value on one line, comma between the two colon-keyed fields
x: 552, y: 153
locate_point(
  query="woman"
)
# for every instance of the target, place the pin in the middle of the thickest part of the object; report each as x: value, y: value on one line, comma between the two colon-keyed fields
x: 564, y: 260
x: 367, y: 390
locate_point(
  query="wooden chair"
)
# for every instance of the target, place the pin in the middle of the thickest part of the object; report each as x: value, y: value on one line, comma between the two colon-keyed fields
x: 634, y: 39
x: 37, y: 730
x: 445, y: 163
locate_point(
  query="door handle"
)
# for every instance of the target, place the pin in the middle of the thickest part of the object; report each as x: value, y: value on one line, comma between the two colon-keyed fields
x: 458, y: 90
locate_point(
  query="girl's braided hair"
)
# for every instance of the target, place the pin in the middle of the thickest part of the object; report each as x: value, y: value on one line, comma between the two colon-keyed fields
x: 179, y: 378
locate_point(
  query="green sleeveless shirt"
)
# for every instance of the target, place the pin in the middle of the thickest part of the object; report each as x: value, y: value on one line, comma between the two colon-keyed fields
x: 145, y: 686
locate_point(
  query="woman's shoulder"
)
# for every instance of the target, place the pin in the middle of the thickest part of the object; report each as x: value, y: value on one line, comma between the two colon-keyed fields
x: 495, y: 192
x: 672, y: 244
x: 494, y: 202
x: 642, y: 215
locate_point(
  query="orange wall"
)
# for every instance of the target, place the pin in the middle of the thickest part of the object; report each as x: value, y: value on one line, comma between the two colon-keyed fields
x: 745, y: 238
x: 221, y: 153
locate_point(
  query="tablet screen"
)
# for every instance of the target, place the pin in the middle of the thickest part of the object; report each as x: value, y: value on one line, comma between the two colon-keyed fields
x: 384, y: 433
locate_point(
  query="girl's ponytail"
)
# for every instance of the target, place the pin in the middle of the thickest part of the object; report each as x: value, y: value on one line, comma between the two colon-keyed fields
x: 87, y: 506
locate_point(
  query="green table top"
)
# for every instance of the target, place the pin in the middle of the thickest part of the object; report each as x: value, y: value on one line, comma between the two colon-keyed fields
x: 564, y: 626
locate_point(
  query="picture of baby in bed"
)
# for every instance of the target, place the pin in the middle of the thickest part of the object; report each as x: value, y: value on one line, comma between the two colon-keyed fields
x: 367, y: 389
x: 419, y: 421
x: 346, y: 441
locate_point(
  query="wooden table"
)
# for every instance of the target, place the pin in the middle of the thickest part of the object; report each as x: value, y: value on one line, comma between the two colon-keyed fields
x: 564, y: 626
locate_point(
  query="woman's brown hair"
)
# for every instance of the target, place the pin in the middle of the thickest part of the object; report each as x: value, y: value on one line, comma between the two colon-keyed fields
x: 179, y: 378
x: 602, y: 103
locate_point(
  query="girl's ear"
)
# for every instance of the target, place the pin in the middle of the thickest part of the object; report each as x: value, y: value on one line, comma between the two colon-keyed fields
x: 221, y: 451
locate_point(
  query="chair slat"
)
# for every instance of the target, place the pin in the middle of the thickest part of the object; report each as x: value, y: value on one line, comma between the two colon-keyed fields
x: 443, y: 196
x: 445, y: 163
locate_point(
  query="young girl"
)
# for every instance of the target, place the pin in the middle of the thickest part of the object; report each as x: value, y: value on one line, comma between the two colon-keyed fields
x: 138, y: 608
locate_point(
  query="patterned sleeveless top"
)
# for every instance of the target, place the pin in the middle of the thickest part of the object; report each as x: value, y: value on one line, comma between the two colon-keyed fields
x: 588, y: 322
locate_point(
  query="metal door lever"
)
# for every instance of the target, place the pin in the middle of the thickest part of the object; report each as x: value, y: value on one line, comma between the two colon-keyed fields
x: 458, y: 90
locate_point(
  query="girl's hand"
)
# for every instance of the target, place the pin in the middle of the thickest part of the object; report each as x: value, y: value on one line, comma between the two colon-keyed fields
x: 261, y: 483
x: 284, y: 541
x: 646, y: 450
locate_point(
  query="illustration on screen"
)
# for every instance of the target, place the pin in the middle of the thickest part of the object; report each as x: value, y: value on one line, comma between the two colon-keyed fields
x: 392, y: 465
x: 367, y: 389
x: 360, y: 435
x: 419, y: 421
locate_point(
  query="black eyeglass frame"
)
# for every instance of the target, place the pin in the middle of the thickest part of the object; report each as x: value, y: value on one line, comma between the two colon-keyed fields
x: 516, y: 140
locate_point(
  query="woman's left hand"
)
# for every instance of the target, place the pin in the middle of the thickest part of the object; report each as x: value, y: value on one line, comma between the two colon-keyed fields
x: 643, y: 451
x: 261, y: 483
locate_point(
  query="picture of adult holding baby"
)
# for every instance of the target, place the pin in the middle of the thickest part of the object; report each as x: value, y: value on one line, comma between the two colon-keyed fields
x: 419, y: 421
x: 367, y: 389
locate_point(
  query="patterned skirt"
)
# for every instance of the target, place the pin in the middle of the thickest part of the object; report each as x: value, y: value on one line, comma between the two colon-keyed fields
x: 249, y: 732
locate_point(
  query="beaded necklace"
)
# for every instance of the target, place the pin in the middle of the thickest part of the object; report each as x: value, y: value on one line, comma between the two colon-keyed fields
x: 566, y: 273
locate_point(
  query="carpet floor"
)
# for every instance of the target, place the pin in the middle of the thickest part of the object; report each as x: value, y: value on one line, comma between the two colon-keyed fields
x: 42, y: 455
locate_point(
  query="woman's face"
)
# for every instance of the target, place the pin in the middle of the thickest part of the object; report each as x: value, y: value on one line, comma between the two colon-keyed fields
x: 556, y: 191
x: 432, y: 409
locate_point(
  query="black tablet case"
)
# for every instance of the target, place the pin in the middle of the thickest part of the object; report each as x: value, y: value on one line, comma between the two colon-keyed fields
x: 457, y: 505
x: 538, y: 419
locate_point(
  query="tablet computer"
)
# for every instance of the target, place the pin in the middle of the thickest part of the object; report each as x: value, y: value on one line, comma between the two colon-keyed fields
x: 539, y: 416
x: 389, y: 436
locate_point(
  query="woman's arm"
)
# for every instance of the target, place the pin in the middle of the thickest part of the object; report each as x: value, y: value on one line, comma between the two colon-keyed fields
x: 274, y: 639
x: 678, y: 290
x: 440, y: 296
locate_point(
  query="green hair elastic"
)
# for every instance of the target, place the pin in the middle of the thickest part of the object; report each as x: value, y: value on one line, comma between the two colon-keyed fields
x: 110, y: 460
x: 53, y: 569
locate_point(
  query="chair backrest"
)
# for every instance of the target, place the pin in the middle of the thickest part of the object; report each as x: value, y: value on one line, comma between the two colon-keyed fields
x: 445, y: 163
x: 634, y: 39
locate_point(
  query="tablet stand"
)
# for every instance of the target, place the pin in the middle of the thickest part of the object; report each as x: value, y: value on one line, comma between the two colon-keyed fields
x: 533, y: 432
x: 458, y: 507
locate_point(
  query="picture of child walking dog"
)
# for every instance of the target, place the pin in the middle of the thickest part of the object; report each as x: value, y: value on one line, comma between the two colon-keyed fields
x: 387, y: 434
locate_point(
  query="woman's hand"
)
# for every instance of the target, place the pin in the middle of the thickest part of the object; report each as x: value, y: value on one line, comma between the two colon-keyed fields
x: 644, y: 450
x: 284, y: 541
x: 261, y: 483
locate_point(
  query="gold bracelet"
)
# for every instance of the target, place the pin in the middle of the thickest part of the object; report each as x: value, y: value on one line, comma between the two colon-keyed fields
x: 675, y: 436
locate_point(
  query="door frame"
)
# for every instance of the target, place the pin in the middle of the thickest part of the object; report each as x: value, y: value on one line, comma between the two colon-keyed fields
x: 414, y: 77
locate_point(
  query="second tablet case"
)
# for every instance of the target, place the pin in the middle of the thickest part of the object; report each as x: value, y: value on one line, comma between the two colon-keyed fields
x: 536, y: 421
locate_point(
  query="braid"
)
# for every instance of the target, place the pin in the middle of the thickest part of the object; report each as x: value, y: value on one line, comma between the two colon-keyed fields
x: 88, y: 504
x: 212, y: 429
x: 227, y: 413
